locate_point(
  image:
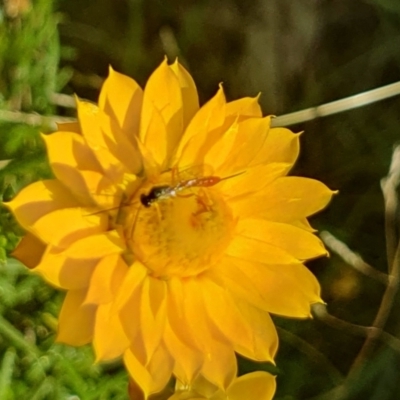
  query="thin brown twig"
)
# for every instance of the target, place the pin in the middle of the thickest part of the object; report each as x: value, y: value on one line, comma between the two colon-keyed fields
x: 351, y: 258
x: 311, y: 352
x: 381, y: 316
x: 320, y: 312
x: 376, y: 332
x: 389, y: 186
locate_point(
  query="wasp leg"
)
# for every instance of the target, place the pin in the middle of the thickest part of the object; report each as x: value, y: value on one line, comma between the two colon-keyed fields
x: 185, y: 195
x: 132, y: 230
x: 204, y: 202
x: 158, y: 212
x: 174, y: 175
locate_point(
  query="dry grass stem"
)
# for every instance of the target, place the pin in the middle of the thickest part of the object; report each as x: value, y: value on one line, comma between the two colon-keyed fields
x: 351, y: 258
x: 334, y: 107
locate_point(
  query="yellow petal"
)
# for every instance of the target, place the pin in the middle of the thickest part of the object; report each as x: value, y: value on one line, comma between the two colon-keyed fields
x: 122, y: 145
x: 154, y: 135
x: 97, y: 189
x: 281, y: 145
x: 131, y: 326
x: 263, y: 342
x: 243, y: 108
x: 286, y: 199
x: 67, y: 153
x: 152, y: 314
x: 195, y: 316
x: 224, y: 314
x: 121, y: 98
x: 257, y: 385
x: 69, y: 127
x: 63, y: 227
x: 29, y: 251
x: 106, y: 280
x: 75, y: 165
x: 109, y: 339
x: 153, y: 377
x: 220, y: 365
x: 176, y: 316
x: 91, y: 120
x: 248, y: 140
x: 162, y: 100
x: 252, y: 180
x: 137, y: 347
x: 227, y: 275
x: 133, y: 280
x: 303, y: 224
x: 295, y: 241
x: 203, y: 389
x: 70, y: 149
x: 245, y: 248
x: 186, y: 395
x: 128, y: 306
x: 64, y: 272
x: 96, y: 246
x: 190, y: 99
x: 252, y: 134
x: 38, y: 199
x: 187, y: 361
x: 76, y: 321
x: 198, y: 137
x: 222, y: 149
x: 265, y: 337
x: 287, y: 290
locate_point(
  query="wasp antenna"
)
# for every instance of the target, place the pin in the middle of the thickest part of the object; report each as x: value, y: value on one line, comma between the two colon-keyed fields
x: 112, y: 208
x: 232, y: 176
x: 105, y: 210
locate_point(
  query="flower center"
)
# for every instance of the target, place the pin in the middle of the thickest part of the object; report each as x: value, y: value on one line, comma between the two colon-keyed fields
x: 178, y: 234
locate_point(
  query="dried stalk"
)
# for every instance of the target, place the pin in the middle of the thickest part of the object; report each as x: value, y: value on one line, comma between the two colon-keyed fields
x: 348, y: 103
x: 33, y: 119
x: 375, y: 332
x: 351, y: 258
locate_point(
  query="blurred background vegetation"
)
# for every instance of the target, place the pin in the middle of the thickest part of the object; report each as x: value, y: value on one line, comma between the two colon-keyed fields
x: 299, y: 54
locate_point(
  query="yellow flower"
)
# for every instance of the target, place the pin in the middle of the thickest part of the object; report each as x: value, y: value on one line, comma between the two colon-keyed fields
x: 174, y: 229
x: 257, y: 385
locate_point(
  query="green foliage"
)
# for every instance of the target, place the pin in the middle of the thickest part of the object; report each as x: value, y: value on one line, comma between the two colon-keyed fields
x: 30, y: 55
x: 33, y: 366
x: 29, y: 58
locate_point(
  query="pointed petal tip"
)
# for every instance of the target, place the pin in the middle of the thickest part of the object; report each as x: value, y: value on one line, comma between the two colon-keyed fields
x: 220, y: 91
x: 328, y: 255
